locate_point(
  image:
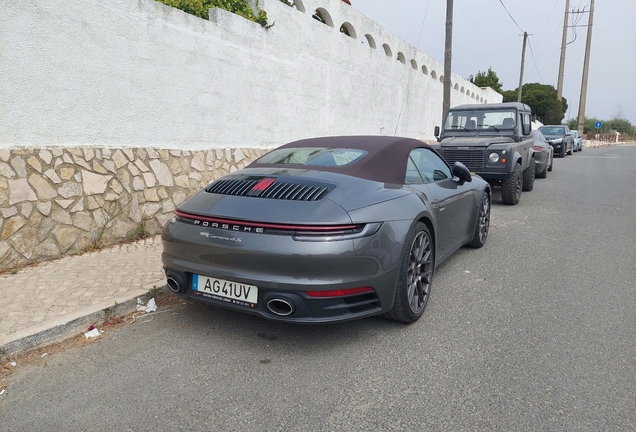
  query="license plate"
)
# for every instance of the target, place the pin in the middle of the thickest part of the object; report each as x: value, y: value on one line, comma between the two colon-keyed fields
x: 225, y: 290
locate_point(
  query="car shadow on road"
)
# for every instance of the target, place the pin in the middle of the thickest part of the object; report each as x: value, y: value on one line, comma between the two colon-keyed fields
x: 205, y: 322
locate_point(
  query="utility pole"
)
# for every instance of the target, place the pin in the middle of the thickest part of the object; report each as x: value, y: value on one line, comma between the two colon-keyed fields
x: 586, y: 68
x: 448, y: 54
x: 563, y: 45
x: 523, y: 62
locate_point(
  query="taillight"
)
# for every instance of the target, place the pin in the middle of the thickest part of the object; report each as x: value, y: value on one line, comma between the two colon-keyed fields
x: 538, y: 148
x: 340, y: 293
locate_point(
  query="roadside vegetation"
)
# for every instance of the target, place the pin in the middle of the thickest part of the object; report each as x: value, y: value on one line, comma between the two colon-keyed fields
x: 616, y: 124
x: 201, y: 8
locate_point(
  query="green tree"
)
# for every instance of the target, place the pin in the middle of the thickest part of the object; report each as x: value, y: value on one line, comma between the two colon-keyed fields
x: 200, y: 8
x: 543, y: 100
x: 620, y: 124
x: 487, y: 79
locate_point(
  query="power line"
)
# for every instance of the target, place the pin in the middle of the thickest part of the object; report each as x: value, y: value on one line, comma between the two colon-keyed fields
x: 535, y: 62
x: 408, y: 81
x: 575, y: 22
x: 513, y: 20
x: 423, y: 21
x: 547, y: 21
x: 548, y: 44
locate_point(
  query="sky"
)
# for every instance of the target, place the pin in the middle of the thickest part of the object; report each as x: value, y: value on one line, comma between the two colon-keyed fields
x: 485, y: 36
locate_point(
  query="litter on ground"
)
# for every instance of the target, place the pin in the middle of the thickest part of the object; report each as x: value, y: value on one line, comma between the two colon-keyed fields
x: 151, y: 306
x: 93, y: 333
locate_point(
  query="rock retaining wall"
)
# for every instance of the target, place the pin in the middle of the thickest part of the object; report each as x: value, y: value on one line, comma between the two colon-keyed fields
x: 56, y: 202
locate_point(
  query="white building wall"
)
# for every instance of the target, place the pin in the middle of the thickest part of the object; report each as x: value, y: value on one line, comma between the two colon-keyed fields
x: 138, y: 73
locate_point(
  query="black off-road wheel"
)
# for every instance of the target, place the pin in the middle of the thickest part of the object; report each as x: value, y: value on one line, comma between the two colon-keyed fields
x: 528, y: 176
x: 511, y: 188
x: 416, y: 275
x: 483, y: 223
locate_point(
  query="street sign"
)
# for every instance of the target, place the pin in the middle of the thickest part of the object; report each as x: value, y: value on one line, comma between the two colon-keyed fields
x: 598, y: 125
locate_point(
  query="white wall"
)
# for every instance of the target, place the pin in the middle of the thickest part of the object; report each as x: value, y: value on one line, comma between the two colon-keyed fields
x: 138, y: 73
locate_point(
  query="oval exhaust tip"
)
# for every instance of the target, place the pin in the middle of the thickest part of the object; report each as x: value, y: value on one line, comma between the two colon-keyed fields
x: 173, y: 284
x: 280, y: 307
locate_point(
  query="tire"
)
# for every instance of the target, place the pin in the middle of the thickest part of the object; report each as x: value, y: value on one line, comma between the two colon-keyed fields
x: 562, y: 153
x: 416, y: 275
x: 571, y: 152
x: 551, y: 163
x: 511, y: 188
x: 543, y: 174
x: 483, y: 223
x: 528, y: 176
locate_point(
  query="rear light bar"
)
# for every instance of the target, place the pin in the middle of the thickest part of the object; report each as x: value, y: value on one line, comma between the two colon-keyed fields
x: 340, y: 293
x: 261, y: 227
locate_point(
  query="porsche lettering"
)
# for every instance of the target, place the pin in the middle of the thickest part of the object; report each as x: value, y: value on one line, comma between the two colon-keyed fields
x: 242, y: 228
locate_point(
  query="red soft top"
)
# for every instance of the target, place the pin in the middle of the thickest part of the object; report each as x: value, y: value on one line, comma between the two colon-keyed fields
x: 384, y: 162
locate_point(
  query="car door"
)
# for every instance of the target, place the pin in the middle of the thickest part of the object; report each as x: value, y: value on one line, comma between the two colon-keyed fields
x: 453, y: 201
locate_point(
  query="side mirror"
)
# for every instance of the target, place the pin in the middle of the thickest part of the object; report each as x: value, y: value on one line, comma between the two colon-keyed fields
x: 527, y: 128
x: 436, y: 133
x: 461, y: 172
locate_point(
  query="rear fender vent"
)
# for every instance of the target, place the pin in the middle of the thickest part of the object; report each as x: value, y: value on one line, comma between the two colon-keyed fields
x: 267, y: 187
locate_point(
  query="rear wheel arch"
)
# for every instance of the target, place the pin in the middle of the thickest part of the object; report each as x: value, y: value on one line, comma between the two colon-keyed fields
x: 429, y: 224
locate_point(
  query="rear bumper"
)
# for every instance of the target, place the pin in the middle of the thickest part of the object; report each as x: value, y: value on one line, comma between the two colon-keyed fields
x: 541, y: 161
x: 304, y: 309
x: 283, y: 268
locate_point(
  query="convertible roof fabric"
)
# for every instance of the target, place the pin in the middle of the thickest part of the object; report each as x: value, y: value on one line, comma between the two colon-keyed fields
x: 384, y: 162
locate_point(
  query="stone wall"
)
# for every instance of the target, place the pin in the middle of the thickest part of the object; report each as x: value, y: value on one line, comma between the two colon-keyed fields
x: 60, y: 201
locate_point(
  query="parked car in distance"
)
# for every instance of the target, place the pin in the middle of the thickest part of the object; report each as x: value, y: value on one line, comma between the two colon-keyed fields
x: 560, y: 138
x: 578, y: 141
x: 543, y: 154
x: 326, y: 230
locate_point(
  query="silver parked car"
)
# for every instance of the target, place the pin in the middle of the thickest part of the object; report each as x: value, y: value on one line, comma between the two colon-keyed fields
x: 327, y: 230
x: 578, y: 141
x: 543, y: 154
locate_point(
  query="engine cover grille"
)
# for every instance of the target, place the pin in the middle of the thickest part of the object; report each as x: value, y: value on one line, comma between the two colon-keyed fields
x: 474, y: 159
x: 270, y: 188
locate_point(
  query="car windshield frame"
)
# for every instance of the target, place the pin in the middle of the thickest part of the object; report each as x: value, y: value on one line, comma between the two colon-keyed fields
x: 481, y: 120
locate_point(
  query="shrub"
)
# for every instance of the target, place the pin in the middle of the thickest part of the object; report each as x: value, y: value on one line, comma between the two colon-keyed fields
x: 200, y: 8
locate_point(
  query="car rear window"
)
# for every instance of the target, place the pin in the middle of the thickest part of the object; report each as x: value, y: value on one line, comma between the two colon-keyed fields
x: 317, y: 156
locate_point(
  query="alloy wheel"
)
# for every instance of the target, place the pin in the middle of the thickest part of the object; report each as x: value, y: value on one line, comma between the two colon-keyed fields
x: 484, y: 219
x: 419, y: 272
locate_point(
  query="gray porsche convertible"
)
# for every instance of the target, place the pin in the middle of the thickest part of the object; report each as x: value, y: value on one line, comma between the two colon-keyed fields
x: 326, y: 230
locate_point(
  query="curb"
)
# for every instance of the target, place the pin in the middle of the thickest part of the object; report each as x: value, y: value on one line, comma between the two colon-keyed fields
x: 75, y: 322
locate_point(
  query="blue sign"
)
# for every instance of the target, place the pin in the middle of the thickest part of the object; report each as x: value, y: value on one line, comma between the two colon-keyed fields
x: 598, y: 125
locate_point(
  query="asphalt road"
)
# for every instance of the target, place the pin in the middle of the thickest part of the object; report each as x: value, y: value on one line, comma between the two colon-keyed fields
x: 534, y: 332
